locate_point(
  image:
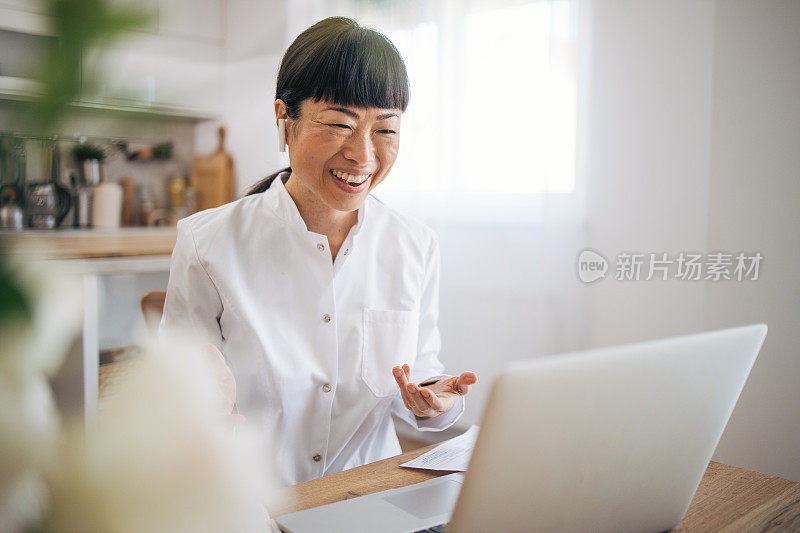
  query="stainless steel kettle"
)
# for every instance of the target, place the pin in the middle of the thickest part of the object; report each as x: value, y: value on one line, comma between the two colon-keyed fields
x: 46, y: 205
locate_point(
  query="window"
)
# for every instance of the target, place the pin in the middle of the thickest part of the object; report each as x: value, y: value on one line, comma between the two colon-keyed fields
x: 492, y: 117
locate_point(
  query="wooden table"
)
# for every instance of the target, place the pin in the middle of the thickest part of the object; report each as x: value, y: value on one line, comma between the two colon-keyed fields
x: 728, y: 498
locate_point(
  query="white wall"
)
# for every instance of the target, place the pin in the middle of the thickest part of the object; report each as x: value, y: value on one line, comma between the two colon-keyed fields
x: 754, y: 193
x: 693, y: 147
x: 255, y: 43
x: 648, y: 150
x: 507, y: 293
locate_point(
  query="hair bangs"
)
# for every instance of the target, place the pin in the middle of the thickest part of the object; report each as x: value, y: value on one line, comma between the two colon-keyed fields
x: 363, y: 70
x: 338, y: 61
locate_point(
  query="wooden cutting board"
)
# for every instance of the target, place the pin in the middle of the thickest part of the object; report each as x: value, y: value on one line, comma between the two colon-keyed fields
x: 212, y: 176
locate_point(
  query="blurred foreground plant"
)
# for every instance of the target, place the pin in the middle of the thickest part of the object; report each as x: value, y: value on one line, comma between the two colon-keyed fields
x: 79, y: 25
x: 158, y: 461
x: 39, y: 316
x: 157, y: 458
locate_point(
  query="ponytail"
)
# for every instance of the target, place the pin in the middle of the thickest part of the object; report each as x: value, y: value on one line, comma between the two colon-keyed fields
x: 265, y: 183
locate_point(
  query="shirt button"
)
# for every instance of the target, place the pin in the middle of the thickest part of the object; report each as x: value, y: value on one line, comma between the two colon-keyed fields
x: 326, y: 388
x: 347, y: 251
x: 326, y: 318
x: 317, y: 457
x: 320, y: 247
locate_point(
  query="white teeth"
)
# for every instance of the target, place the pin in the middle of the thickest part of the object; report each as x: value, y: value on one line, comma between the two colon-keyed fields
x: 350, y: 178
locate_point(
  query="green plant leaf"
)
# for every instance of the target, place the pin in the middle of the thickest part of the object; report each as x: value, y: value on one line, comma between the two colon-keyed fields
x: 14, y: 303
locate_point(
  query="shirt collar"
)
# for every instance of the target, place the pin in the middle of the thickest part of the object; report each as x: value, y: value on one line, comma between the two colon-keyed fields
x: 284, y: 205
x: 287, y: 209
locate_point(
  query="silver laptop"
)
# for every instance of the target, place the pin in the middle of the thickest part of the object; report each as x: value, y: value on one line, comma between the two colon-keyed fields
x: 613, y: 439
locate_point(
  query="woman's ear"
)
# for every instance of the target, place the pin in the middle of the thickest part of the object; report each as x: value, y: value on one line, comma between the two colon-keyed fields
x: 280, y: 110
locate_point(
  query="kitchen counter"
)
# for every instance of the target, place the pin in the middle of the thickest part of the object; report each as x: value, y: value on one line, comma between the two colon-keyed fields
x: 92, y: 243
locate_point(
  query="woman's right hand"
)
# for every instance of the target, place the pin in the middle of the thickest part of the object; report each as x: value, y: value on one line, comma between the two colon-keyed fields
x: 226, y: 384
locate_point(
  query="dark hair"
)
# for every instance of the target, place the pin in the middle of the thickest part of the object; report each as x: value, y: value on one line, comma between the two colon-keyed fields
x: 338, y: 61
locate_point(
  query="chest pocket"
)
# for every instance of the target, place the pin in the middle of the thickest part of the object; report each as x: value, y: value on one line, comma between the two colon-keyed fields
x: 390, y: 339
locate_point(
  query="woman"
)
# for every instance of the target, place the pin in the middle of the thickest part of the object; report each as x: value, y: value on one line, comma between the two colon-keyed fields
x: 323, y: 301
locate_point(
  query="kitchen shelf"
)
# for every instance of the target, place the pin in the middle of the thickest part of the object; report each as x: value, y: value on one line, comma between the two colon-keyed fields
x: 26, y: 90
x: 23, y: 21
x: 19, y: 88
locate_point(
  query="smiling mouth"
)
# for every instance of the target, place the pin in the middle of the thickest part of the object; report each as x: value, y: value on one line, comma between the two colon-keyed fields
x: 350, y: 178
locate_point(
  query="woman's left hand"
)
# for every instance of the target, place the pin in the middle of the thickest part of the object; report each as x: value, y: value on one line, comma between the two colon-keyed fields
x: 436, y: 398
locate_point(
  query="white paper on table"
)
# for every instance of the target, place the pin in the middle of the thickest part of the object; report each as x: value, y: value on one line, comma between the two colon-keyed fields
x: 452, y: 455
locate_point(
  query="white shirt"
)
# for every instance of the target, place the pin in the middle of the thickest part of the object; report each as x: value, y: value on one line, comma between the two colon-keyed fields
x: 310, y: 341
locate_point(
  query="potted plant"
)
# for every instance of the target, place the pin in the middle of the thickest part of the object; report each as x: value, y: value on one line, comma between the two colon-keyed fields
x: 89, y: 157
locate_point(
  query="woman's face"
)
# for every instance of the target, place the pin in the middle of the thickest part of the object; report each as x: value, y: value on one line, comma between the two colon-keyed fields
x: 341, y: 153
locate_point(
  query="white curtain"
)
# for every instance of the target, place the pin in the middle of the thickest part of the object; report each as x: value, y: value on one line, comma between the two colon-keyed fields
x: 490, y: 159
